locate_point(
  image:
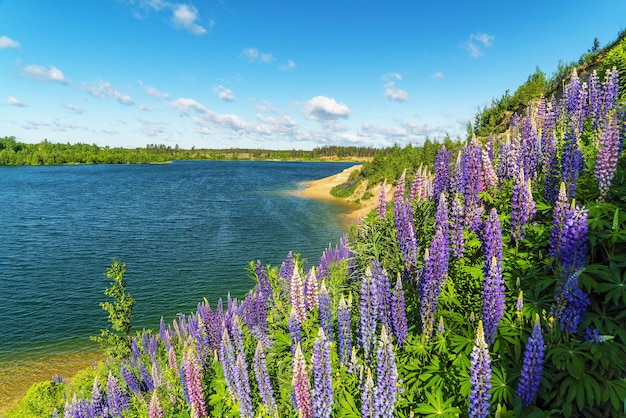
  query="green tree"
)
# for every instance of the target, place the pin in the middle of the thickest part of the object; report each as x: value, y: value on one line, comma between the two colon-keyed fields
x: 115, y: 341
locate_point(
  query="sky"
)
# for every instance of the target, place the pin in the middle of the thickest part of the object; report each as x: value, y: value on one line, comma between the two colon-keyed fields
x: 276, y: 74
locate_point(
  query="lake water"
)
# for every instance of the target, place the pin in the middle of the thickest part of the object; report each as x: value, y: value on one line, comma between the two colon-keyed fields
x: 186, y: 231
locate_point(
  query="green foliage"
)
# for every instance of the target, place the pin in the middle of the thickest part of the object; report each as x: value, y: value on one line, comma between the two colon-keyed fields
x: 115, y: 341
x: 40, y: 400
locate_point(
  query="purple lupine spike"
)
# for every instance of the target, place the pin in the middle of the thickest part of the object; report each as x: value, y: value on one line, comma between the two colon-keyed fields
x: 441, y: 183
x: 300, y: 383
x: 227, y: 359
x: 294, y: 330
x: 117, y: 401
x: 610, y: 87
x: 573, y: 248
x: 522, y: 206
x: 519, y: 305
x: 387, y: 388
x: 403, y: 218
x: 398, y: 313
x: 560, y: 211
x: 530, y: 144
x: 164, y: 333
x: 434, y: 272
x: 156, y: 375
x: 571, y: 162
x: 608, y: 154
x: 344, y: 330
x: 263, y: 281
x: 491, y: 239
x: 183, y: 381
x: 490, y: 179
x: 383, y: 292
x: 311, y: 291
x: 147, y: 383
x: 98, y: 402
x: 490, y: 146
x: 575, y: 97
x: 326, y: 320
x: 242, y: 385
x: 369, y: 313
x: 472, y: 184
x: 131, y: 379
x: 171, y: 358
x: 367, y: 396
x: 595, y: 98
x: 322, y: 380
x: 532, y: 366
x: 441, y: 328
x: 480, y: 376
x: 286, y: 271
x: 381, y: 208
x: 263, y: 381
x: 417, y: 185
x: 457, y: 243
x: 155, y: 410
x: 547, y: 135
x: 456, y: 180
x: 296, y: 294
x: 575, y: 303
x: 237, y: 335
x: 194, y: 384
x: 150, y: 344
x: 493, y: 299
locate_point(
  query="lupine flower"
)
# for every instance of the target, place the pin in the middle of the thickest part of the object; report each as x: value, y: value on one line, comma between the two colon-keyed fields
x: 263, y: 280
x: 441, y: 183
x: 457, y: 243
x: 381, y: 209
x: 326, y: 320
x: 573, y: 248
x: 594, y: 336
x: 398, y: 313
x: 263, y: 381
x: 571, y: 162
x: 227, y: 359
x: 383, y: 292
x: 344, y: 331
x: 595, y: 98
x: 560, y: 211
x: 369, y: 313
x: 194, y: 384
x: 117, y: 401
x: 386, y: 389
x: 155, y: 410
x: 522, y: 206
x: 491, y: 239
x: 147, y: 382
x: 135, y: 353
x: 472, y: 184
x: 434, y: 271
x: 286, y: 270
x: 532, y: 366
x: 575, y: 302
x: 156, y: 375
x: 490, y: 179
x: 242, y: 385
x: 310, y: 290
x: 519, y: 305
x: 441, y: 327
x: 441, y: 216
x: 300, y: 384
x: 367, y: 396
x: 131, y: 379
x: 403, y: 218
x: 98, y: 402
x: 493, y: 300
x: 294, y: 330
x: 480, y: 376
x: 529, y: 143
x: 296, y: 294
x: 322, y: 379
x: 608, y: 153
x: 574, y: 98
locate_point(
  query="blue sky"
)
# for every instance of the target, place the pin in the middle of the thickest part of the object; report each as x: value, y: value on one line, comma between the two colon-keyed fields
x: 275, y: 74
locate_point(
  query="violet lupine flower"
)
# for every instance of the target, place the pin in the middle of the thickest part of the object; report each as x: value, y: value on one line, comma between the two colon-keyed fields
x: 398, y: 313
x: 573, y: 248
x: 456, y: 178
x: 472, y: 184
x: 403, y: 217
x: 441, y: 183
x: 547, y: 135
x: 610, y: 88
x: 441, y: 216
x: 322, y: 379
x: 480, y: 376
x: 490, y: 179
x: 326, y: 320
x: 147, y: 383
x: 150, y: 344
x: 263, y: 381
x: 194, y: 385
x: 575, y: 303
x: 457, y: 242
x: 575, y: 98
x: 493, y: 299
x: 369, y: 313
x: 522, y: 206
x: 532, y: 366
x: 530, y: 144
x: 227, y: 360
x: 242, y: 385
x: 117, y: 401
x: 491, y: 239
x: 490, y: 146
x: 344, y: 330
x: 519, y: 304
x: 560, y: 211
x: 98, y: 402
x: 593, y: 336
x: 296, y: 294
x: 441, y: 327
x: 434, y: 272
x: 367, y: 396
x: 286, y: 271
x: 156, y: 375
x: 135, y: 352
x: 300, y: 383
x: 608, y: 154
x: 155, y: 410
x: 383, y: 292
x: 131, y: 379
x: 571, y: 162
x: 417, y: 192
x: 294, y: 330
x: 381, y: 208
x: 263, y: 281
x: 595, y: 98
x: 310, y: 290
x: 387, y: 388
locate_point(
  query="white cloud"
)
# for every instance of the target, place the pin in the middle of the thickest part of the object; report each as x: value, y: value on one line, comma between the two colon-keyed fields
x: 74, y: 109
x: 394, y: 93
x: 282, y: 125
x: 265, y: 107
x: 6, y: 42
x: 289, y: 66
x: 185, y: 16
x: 38, y: 72
x: 254, y: 55
x: 477, y: 42
x: 324, y: 108
x: 152, y: 92
x: 391, y: 76
x: 224, y: 94
x: 186, y: 106
x: 104, y: 90
x: 437, y: 76
x: 12, y: 101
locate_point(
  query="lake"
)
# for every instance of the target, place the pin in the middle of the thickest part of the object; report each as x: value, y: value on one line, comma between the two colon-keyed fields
x: 186, y: 231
